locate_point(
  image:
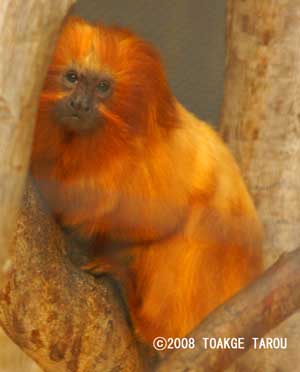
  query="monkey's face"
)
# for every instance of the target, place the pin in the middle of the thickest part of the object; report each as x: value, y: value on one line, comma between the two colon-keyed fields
x: 85, y: 90
x: 105, y: 80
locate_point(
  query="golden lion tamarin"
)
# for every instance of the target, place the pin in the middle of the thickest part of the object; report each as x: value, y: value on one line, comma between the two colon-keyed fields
x: 119, y: 159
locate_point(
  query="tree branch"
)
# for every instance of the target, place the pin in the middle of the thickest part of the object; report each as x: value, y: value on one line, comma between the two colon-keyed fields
x: 251, y: 313
x: 65, y: 319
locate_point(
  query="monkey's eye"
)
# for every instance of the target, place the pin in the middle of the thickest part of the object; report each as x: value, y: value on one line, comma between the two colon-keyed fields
x: 71, y: 77
x: 104, y: 87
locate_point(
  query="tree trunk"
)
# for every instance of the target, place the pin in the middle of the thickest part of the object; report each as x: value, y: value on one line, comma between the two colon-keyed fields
x: 27, y: 36
x: 261, y: 123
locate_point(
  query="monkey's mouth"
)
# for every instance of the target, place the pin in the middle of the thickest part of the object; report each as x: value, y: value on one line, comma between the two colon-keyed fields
x: 76, y: 121
x: 78, y: 124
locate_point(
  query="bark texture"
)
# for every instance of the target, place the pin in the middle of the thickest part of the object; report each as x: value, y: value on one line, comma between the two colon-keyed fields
x: 261, y: 123
x: 63, y: 318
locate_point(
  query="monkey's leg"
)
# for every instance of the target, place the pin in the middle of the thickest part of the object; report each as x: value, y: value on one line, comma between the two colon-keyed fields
x: 180, y: 280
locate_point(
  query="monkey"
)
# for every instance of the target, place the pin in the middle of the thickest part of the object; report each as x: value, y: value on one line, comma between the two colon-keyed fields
x: 119, y: 159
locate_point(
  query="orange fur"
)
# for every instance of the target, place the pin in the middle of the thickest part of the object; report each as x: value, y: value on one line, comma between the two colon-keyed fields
x: 153, y: 176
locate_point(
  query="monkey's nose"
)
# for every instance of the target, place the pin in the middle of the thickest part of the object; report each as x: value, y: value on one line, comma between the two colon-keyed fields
x: 80, y: 104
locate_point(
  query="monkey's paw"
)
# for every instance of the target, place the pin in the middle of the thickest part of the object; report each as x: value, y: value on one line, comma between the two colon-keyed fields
x: 99, y: 266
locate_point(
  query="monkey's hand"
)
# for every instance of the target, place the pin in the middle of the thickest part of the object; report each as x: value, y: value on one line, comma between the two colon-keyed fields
x: 117, y: 266
x: 100, y: 266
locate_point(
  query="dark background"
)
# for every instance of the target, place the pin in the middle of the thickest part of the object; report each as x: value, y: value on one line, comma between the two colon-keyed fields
x: 190, y: 35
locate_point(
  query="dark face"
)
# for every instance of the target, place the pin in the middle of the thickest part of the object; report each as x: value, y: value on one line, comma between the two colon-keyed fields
x: 78, y: 110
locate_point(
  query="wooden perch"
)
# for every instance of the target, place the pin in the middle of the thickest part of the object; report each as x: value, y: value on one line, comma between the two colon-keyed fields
x: 251, y: 313
x: 62, y: 317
